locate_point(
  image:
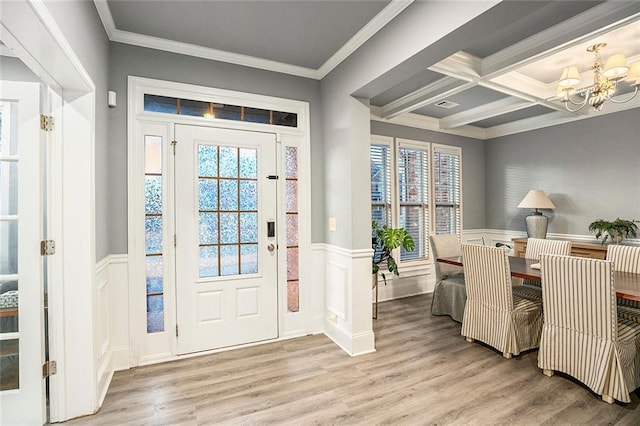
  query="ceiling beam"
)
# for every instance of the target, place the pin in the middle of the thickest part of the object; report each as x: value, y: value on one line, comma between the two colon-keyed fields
x: 502, y: 106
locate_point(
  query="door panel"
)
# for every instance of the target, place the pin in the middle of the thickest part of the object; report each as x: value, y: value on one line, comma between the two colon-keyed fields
x: 226, y: 258
x: 22, y: 392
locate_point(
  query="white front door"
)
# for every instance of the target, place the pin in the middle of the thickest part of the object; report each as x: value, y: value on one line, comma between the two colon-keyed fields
x: 22, y: 388
x: 226, y: 244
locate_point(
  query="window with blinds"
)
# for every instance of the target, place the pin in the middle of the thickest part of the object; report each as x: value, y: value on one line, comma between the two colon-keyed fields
x: 381, y: 184
x: 413, y: 190
x: 447, y: 189
x: 417, y: 186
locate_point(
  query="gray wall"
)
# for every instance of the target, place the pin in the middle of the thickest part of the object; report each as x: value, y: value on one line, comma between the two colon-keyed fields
x: 473, y: 169
x: 13, y: 69
x: 590, y: 169
x: 136, y: 61
x: 346, y: 125
x: 83, y: 29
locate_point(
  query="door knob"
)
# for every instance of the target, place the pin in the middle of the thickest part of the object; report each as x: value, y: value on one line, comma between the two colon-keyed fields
x: 271, y: 247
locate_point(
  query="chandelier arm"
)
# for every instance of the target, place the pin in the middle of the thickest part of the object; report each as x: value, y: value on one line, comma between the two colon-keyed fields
x: 635, y: 92
x: 566, y: 105
x: 578, y: 104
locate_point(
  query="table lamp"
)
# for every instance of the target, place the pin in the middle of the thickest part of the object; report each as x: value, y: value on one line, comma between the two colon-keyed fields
x: 536, y: 222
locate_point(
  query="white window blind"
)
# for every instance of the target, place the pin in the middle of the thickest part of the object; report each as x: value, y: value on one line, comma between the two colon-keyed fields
x: 413, y: 190
x: 447, y: 189
x: 381, y: 183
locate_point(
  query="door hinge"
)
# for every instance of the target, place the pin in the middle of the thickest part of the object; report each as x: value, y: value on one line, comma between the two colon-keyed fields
x: 175, y: 240
x: 49, y: 368
x: 47, y: 247
x: 273, y: 177
x: 173, y: 145
x: 176, y: 330
x: 46, y: 123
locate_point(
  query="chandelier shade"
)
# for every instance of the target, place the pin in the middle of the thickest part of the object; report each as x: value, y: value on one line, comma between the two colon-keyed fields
x: 606, y: 77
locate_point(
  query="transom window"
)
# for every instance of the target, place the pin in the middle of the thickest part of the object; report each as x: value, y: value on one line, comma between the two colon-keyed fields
x: 417, y: 186
x: 195, y: 108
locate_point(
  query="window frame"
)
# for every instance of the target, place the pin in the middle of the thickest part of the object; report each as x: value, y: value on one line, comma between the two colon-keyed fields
x: 426, y: 148
x: 394, y: 144
x: 388, y: 142
x: 453, y: 150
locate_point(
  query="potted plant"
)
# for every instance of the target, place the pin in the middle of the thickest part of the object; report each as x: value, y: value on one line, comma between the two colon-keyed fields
x: 617, y: 229
x: 383, y: 242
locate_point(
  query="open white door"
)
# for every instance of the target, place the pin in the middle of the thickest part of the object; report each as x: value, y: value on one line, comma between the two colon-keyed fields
x: 22, y: 394
x: 226, y: 245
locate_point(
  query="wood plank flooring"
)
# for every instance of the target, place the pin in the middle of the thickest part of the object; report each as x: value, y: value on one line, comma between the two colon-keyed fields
x: 423, y: 372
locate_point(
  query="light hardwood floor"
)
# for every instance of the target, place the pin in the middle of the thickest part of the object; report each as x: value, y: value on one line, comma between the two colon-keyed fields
x: 423, y: 372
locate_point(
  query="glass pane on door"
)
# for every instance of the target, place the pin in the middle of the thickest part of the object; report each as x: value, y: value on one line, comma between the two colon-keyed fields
x: 9, y: 278
x: 228, y: 210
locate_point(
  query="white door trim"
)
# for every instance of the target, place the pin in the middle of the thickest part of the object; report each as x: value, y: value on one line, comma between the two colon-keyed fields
x: 29, y: 29
x: 290, y: 324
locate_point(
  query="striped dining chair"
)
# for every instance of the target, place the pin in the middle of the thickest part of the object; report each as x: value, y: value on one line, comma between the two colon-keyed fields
x: 449, y: 293
x: 582, y: 336
x: 626, y: 259
x: 493, y: 315
x: 535, y: 247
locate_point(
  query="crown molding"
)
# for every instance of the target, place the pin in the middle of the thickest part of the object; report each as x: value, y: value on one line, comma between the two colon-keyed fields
x: 104, y: 12
x: 393, y: 9
x: 387, y: 14
x: 558, y: 117
x: 212, y: 54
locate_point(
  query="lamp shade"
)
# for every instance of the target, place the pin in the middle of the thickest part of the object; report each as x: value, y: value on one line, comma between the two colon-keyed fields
x: 536, y: 199
x: 616, y: 66
x: 634, y: 73
x: 570, y: 77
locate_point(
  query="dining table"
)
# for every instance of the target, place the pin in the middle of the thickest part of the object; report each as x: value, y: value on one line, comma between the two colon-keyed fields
x: 626, y: 284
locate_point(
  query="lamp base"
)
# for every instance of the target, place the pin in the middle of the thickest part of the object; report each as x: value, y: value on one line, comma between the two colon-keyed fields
x: 536, y: 225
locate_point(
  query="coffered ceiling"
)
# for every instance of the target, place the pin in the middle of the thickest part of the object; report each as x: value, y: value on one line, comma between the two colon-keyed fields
x: 501, y: 81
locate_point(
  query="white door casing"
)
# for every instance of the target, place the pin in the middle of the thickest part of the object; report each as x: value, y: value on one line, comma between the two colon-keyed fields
x: 226, y: 258
x: 26, y: 404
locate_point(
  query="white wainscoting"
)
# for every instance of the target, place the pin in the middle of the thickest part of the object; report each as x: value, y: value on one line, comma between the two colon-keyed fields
x: 119, y: 281
x: 318, y: 274
x: 102, y: 330
x: 111, y: 325
x: 347, y: 312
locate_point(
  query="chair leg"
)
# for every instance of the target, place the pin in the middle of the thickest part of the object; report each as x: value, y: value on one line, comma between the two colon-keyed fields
x: 507, y: 355
x: 607, y: 398
x: 547, y: 373
x: 469, y: 339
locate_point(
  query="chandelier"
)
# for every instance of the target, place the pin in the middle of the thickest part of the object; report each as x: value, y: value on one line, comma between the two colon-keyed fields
x: 606, y: 78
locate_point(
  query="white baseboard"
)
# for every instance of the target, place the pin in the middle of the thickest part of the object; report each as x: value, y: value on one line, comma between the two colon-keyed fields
x: 354, y: 345
x: 121, y: 358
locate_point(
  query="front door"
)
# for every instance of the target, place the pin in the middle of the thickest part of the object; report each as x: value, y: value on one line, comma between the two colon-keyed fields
x: 226, y: 245
x: 22, y: 388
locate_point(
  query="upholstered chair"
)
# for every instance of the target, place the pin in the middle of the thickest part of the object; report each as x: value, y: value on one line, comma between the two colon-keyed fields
x: 493, y: 315
x: 582, y: 336
x: 535, y: 247
x: 449, y: 293
x: 626, y: 259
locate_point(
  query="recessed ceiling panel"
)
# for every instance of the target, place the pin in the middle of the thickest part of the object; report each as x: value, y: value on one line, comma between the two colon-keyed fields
x: 513, y: 116
x: 303, y: 33
x: 624, y: 40
x: 470, y: 98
